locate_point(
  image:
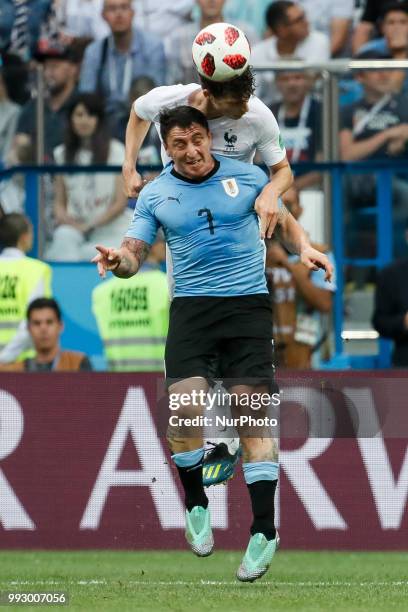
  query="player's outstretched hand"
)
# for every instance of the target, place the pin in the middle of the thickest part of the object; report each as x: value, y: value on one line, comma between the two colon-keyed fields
x: 107, y: 259
x: 133, y: 181
x: 314, y: 259
x: 267, y: 210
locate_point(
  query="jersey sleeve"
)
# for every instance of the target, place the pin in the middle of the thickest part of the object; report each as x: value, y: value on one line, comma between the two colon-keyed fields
x: 269, y: 141
x: 148, y: 107
x: 144, y: 224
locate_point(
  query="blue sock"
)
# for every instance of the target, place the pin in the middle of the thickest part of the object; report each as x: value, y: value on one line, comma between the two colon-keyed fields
x: 260, y: 470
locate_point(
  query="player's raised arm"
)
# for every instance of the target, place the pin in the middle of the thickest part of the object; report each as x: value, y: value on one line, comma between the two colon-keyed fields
x: 124, y: 262
x: 266, y: 204
x: 136, y: 131
x: 294, y: 238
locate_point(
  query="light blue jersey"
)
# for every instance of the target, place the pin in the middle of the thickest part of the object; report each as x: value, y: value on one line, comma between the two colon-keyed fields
x: 210, y: 226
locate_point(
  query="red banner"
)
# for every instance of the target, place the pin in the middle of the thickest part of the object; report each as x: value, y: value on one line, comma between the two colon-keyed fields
x: 82, y: 465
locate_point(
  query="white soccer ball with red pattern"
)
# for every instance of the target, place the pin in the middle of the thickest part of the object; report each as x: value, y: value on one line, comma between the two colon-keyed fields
x: 221, y: 52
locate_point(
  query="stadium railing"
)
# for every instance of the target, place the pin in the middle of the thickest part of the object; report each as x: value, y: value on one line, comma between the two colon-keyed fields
x: 336, y: 171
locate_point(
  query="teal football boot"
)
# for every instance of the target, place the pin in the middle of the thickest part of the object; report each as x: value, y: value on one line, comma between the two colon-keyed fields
x: 257, y: 558
x: 198, y: 531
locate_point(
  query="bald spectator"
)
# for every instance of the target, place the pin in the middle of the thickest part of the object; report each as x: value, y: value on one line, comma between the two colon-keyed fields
x: 292, y: 37
x: 178, y: 45
x: 111, y: 64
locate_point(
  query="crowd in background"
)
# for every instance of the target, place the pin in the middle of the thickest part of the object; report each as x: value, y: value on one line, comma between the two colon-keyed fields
x: 97, y: 56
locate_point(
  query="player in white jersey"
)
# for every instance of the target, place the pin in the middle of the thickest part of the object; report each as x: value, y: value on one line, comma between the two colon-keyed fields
x: 241, y: 125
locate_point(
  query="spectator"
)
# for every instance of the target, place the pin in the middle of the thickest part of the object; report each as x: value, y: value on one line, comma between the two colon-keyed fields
x: 299, y: 296
x: 9, y: 113
x: 162, y: 16
x: 12, y: 189
x: 60, y: 75
x: 20, y: 25
x: 369, y: 19
x: 292, y: 37
x: 45, y: 327
x: 333, y: 18
x: 133, y: 316
x: 150, y: 153
x: 84, y: 17
x: 92, y: 207
x: 390, y: 316
x: 251, y: 12
x: 22, y: 280
x: 299, y: 117
x: 394, y: 27
x: 178, y: 45
x: 375, y: 127
x: 110, y: 65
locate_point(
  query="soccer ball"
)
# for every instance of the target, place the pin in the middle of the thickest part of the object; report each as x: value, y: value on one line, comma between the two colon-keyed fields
x: 221, y: 52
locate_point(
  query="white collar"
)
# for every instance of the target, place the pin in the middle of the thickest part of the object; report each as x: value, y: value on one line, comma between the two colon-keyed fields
x: 12, y: 253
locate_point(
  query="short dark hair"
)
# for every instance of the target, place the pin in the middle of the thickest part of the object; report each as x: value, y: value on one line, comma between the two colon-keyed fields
x: 276, y: 13
x: 43, y: 302
x: 181, y: 116
x: 390, y: 7
x: 242, y: 87
x: 12, y: 227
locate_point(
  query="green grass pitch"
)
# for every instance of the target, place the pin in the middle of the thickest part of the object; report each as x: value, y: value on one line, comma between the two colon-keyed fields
x: 178, y: 581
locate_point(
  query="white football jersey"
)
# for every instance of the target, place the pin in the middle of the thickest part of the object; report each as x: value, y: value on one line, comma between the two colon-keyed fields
x: 256, y: 131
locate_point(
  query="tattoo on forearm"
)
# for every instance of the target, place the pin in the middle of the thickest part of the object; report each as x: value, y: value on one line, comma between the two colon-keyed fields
x: 130, y: 265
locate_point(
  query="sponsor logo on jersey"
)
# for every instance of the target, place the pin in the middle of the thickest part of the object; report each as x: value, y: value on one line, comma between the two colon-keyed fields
x: 230, y: 187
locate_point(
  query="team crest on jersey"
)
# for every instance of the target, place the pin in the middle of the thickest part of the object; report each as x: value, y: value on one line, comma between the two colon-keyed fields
x: 230, y: 187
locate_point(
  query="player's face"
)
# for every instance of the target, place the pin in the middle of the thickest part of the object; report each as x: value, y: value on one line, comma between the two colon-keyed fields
x: 190, y: 149
x: 118, y: 14
x: 44, y: 328
x: 229, y: 106
x: 83, y: 124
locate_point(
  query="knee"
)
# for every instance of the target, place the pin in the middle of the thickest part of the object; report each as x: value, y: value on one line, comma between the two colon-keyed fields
x: 259, y: 449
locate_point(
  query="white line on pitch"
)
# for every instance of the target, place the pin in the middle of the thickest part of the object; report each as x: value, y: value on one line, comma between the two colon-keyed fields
x: 203, y: 583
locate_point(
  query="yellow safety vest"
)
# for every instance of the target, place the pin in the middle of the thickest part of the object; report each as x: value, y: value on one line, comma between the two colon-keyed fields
x: 133, y: 317
x: 18, y: 279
